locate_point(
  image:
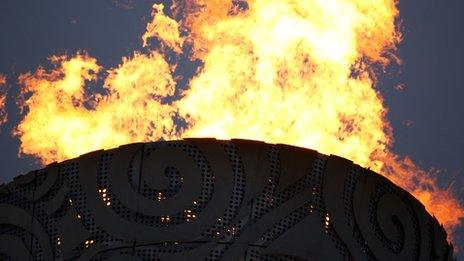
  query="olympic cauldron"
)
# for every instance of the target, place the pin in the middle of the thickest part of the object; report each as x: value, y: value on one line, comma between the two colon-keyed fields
x: 208, y: 199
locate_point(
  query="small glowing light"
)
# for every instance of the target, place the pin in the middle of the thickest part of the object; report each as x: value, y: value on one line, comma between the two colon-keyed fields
x: 105, y: 197
x: 88, y: 243
x: 160, y: 196
x: 327, y: 219
x: 165, y: 219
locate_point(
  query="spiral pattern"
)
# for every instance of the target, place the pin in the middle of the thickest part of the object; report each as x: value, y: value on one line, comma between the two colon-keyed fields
x: 218, y: 200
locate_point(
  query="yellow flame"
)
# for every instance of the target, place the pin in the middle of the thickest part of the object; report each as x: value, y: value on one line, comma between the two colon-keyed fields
x: 163, y: 28
x: 283, y: 71
x: 3, y: 93
x: 65, y: 121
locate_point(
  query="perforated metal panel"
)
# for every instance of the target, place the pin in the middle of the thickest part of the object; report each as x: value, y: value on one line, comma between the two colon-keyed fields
x: 203, y: 199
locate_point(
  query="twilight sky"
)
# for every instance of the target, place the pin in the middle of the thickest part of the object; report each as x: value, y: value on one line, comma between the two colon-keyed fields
x: 427, y: 115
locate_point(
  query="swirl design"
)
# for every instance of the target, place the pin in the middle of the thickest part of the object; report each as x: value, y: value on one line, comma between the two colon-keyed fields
x: 208, y: 199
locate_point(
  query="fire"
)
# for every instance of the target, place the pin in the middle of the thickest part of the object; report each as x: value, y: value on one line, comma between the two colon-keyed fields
x: 64, y: 120
x: 440, y: 202
x: 285, y: 71
x: 164, y: 28
x: 3, y: 92
x: 282, y: 71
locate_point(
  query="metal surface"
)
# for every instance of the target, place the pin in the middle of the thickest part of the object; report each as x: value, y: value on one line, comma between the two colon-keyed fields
x: 217, y: 200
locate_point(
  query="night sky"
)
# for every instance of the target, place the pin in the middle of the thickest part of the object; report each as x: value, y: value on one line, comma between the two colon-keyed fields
x: 427, y: 113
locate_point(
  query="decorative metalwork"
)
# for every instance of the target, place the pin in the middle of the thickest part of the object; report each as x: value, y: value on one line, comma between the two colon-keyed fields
x: 218, y: 200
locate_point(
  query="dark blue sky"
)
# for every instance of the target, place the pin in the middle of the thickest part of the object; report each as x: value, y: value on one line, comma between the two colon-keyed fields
x: 427, y: 116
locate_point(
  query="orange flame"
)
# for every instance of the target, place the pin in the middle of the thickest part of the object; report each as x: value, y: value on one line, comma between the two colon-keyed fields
x: 62, y: 114
x: 440, y: 202
x: 164, y: 28
x: 287, y: 71
x: 3, y: 93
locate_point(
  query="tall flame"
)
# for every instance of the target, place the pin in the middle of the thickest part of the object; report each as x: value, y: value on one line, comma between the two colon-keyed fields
x: 287, y: 71
x: 3, y: 92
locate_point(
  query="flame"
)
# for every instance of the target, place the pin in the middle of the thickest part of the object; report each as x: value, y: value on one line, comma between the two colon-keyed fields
x: 62, y: 114
x: 3, y: 93
x: 164, y: 28
x: 423, y: 185
x: 284, y: 71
